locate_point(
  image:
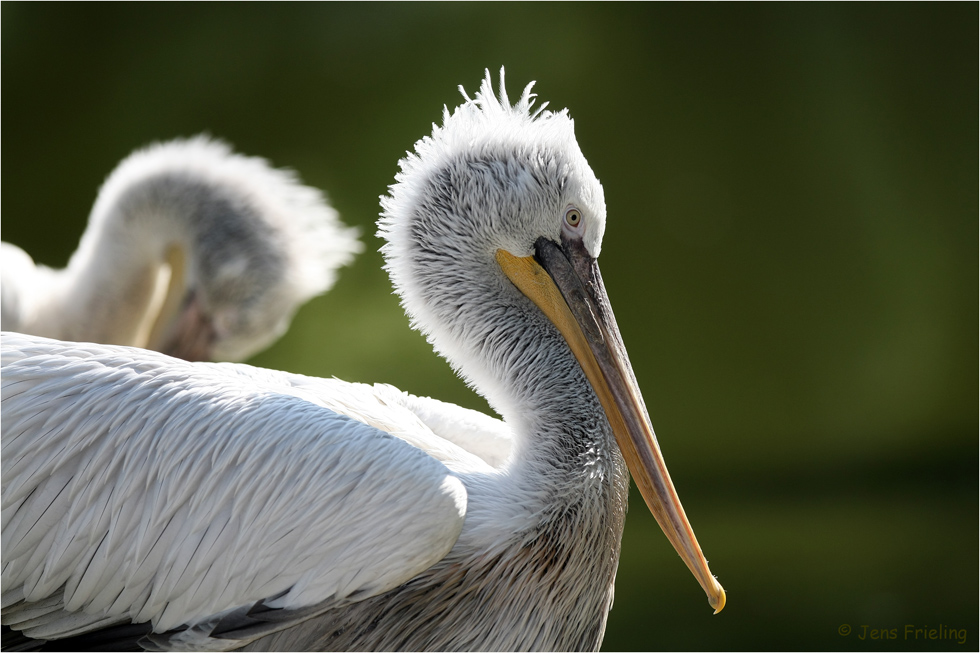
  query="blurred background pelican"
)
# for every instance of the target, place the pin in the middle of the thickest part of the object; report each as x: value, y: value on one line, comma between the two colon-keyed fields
x: 795, y: 191
x: 191, y: 250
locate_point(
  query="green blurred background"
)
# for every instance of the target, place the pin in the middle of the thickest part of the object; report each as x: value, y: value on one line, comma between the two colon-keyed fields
x: 791, y: 252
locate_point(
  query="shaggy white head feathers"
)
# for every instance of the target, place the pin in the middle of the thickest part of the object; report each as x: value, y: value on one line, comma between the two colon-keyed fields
x: 493, y: 176
x: 528, y: 145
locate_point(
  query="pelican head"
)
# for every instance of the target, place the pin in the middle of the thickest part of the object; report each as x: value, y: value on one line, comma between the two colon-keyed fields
x: 493, y: 230
x: 253, y: 244
x: 191, y: 249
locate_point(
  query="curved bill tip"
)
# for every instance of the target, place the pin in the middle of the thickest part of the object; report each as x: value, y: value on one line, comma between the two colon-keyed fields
x: 717, y: 601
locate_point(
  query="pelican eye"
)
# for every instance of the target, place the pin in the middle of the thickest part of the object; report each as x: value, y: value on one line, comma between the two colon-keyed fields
x: 573, y: 217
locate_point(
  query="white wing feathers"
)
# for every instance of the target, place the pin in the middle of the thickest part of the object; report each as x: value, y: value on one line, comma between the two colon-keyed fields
x: 479, y: 434
x: 141, y: 488
x: 448, y: 432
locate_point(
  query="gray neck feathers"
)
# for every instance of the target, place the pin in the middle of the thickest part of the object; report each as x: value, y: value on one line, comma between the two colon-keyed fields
x: 549, y: 585
x: 493, y: 335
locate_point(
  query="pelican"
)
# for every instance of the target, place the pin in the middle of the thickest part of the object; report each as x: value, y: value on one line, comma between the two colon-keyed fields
x: 191, y: 250
x: 217, y: 506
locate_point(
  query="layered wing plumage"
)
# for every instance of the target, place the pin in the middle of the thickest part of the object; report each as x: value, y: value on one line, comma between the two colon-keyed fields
x: 463, y: 437
x: 140, y: 488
